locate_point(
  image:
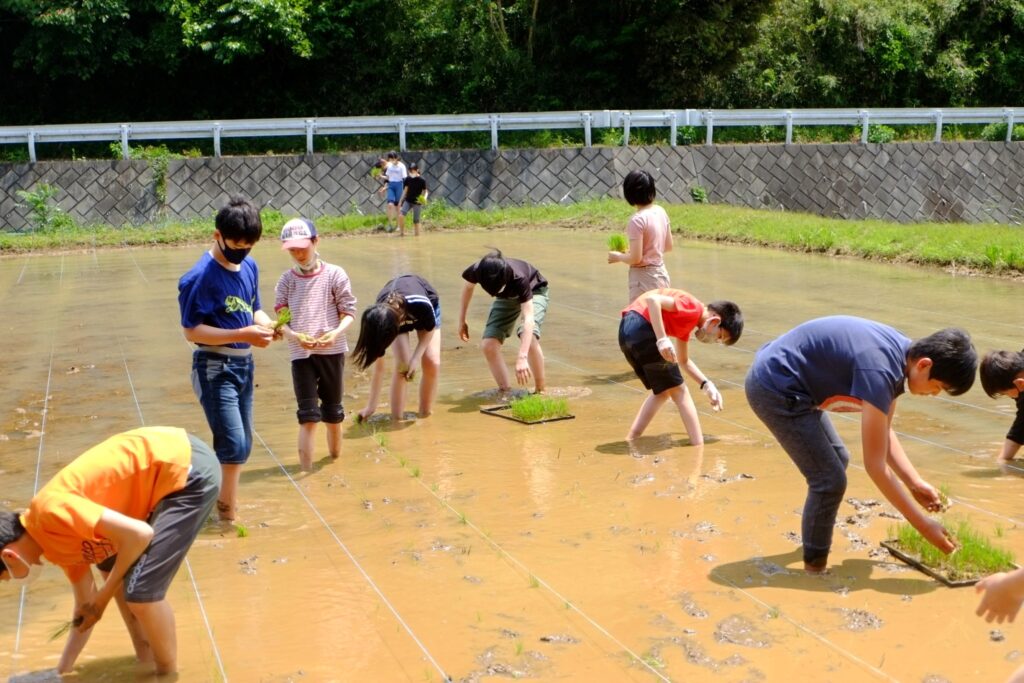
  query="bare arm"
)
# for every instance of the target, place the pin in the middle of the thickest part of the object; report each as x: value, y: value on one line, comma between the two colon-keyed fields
x: 84, y: 590
x: 632, y: 257
x: 467, y: 296
x: 131, y: 537
x: 923, y: 492
x: 875, y: 430
x: 257, y: 335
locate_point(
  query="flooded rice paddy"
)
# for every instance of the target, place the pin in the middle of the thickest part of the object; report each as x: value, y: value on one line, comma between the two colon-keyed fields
x: 480, y: 549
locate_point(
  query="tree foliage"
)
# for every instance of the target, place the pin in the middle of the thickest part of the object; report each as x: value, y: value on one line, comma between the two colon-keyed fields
x: 88, y: 60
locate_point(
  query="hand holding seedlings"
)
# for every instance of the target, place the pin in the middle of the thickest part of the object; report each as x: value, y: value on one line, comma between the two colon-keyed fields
x: 257, y: 335
x: 327, y: 338
x: 86, y: 617
x: 928, y: 497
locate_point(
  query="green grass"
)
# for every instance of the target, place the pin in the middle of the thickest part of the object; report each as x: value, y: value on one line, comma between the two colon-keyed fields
x: 984, y: 247
x: 536, y: 407
x: 618, y: 242
x: 976, y: 555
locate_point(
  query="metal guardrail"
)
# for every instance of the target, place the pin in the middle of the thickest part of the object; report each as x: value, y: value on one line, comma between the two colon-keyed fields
x: 125, y: 133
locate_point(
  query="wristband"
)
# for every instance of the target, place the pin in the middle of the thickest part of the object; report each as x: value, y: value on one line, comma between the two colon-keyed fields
x: 664, y: 343
x: 703, y: 384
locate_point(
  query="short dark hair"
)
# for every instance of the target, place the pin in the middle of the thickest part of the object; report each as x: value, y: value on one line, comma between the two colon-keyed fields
x: 239, y: 221
x: 392, y: 155
x: 10, y: 528
x: 732, y: 319
x: 377, y: 331
x: 954, y: 359
x: 414, y: 166
x: 638, y: 188
x: 493, y: 272
x: 999, y: 369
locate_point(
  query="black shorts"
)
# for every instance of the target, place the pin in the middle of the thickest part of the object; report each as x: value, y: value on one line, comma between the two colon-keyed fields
x: 640, y: 347
x: 318, y: 385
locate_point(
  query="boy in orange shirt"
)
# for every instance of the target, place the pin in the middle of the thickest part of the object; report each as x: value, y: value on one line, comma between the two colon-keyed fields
x: 132, y: 505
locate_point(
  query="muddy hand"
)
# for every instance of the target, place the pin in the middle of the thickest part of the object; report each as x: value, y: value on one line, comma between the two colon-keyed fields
x: 86, y: 617
x: 522, y: 371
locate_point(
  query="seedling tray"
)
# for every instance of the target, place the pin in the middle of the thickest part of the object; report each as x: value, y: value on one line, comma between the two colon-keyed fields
x: 936, y: 574
x: 496, y: 412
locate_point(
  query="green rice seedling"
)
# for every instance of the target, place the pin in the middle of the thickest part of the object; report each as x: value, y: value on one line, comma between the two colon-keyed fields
x: 534, y: 583
x: 974, y: 557
x: 416, y: 472
x: 284, y: 316
x: 61, y: 630
x: 536, y: 407
x: 618, y: 242
x: 519, y: 647
x: 241, y: 530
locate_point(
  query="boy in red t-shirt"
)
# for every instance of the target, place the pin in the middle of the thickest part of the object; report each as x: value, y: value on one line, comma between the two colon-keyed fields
x: 654, y: 334
x: 131, y: 505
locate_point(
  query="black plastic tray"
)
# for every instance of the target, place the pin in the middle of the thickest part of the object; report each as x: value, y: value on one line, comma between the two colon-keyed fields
x: 495, y: 411
x: 930, y: 571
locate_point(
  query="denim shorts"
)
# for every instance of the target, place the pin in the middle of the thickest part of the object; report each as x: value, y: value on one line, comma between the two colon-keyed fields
x: 224, y: 385
x: 395, y: 192
x: 176, y: 521
x: 639, y: 346
x: 505, y: 312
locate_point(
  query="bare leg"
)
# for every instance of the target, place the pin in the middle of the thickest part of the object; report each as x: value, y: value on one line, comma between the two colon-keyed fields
x: 688, y: 412
x: 401, y: 224
x: 431, y: 364
x: 157, y: 622
x: 535, y: 357
x: 492, y: 352
x: 398, y: 382
x: 416, y: 228
x: 376, y: 380
x: 227, y: 504
x: 143, y: 652
x: 652, y: 404
x: 307, y: 432
x: 334, y: 439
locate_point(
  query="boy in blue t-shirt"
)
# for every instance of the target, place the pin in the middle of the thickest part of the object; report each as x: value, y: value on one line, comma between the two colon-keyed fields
x: 219, y: 300
x: 848, y: 364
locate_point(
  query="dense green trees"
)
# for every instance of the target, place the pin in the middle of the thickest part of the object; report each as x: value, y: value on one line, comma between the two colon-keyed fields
x: 89, y: 60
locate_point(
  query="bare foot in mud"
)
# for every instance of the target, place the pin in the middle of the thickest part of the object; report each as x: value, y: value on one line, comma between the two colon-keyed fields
x: 816, y: 570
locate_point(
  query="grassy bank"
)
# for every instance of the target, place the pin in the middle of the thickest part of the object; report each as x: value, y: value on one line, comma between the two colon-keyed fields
x: 988, y: 247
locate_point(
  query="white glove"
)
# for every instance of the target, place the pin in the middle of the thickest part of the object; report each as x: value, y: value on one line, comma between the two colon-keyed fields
x: 711, y: 391
x: 665, y: 345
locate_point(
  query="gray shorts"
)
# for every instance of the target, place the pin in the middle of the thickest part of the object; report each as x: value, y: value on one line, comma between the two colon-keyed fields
x: 505, y: 312
x: 176, y: 521
x: 415, y: 207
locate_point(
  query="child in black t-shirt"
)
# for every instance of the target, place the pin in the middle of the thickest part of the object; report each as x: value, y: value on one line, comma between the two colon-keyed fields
x: 414, y: 196
x: 520, y: 292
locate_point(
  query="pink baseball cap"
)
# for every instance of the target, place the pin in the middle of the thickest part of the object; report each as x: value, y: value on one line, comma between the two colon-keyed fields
x: 297, y: 233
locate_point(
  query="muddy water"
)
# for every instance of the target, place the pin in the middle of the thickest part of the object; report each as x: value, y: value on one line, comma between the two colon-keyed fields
x: 480, y: 548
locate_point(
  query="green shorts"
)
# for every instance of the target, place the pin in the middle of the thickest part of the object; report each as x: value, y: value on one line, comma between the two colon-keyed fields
x: 505, y: 312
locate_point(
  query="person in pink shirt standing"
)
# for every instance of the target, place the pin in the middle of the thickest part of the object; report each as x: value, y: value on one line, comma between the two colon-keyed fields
x: 320, y: 300
x: 649, y: 235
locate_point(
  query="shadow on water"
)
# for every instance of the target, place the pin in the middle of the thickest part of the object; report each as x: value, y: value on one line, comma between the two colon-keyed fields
x: 645, y: 445
x: 852, y: 574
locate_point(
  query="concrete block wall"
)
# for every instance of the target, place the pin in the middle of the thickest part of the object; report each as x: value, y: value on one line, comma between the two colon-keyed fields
x: 905, y: 182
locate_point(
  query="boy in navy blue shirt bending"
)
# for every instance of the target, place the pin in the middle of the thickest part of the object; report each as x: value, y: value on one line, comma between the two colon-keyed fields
x: 847, y: 364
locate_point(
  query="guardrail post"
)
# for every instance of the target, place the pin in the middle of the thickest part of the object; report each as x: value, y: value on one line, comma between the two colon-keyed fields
x: 401, y: 135
x: 789, y: 127
x: 625, y: 128
x: 216, y: 140
x: 309, y: 136
x: 587, y: 121
x: 864, y: 126
x: 709, y: 137
x: 494, y: 132
x: 32, y: 146
x: 938, y: 125
x: 672, y: 129
x: 1009, y: 124
x: 126, y: 151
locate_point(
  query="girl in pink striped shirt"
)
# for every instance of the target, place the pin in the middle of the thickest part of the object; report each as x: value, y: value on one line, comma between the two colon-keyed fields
x: 319, y: 297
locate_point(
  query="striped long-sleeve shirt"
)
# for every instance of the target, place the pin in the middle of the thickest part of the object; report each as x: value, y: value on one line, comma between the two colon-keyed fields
x: 317, y: 303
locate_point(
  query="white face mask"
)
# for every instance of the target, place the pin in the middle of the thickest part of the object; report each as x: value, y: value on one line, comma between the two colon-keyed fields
x: 34, y: 570
x: 704, y: 333
x: 310, y: 265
